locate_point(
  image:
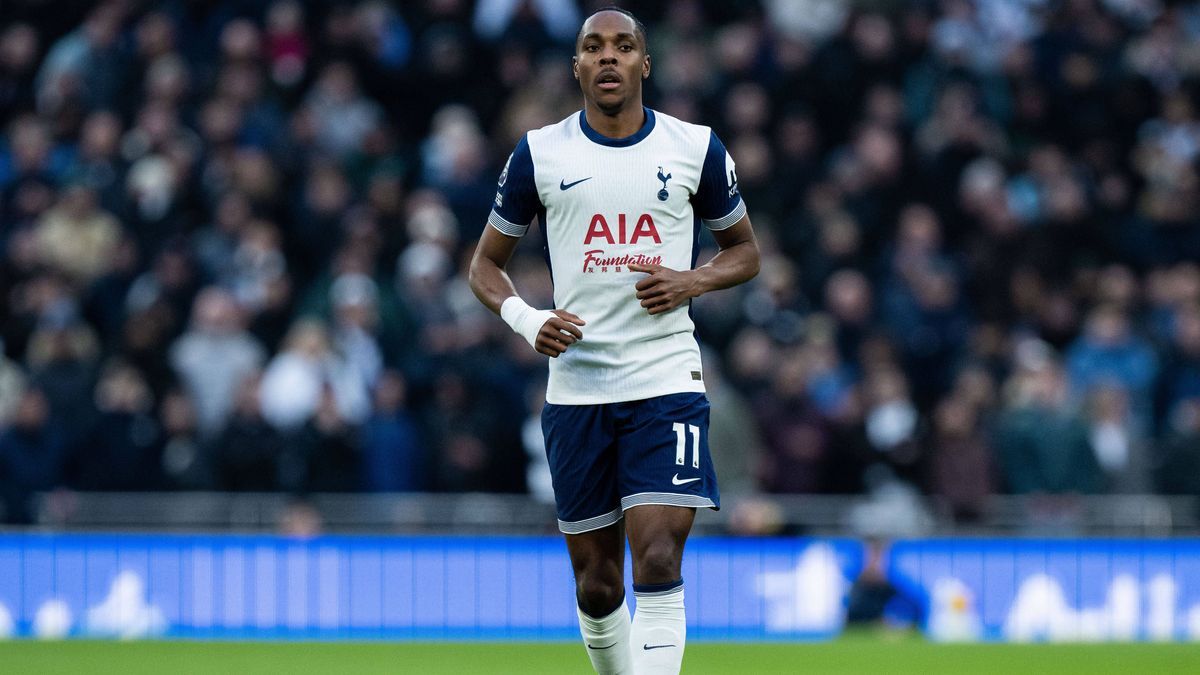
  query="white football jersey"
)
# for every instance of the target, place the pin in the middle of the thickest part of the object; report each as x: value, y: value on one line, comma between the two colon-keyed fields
x: 604, y: 204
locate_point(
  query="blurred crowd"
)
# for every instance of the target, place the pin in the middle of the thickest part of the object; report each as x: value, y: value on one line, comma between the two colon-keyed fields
x: 234, y: 238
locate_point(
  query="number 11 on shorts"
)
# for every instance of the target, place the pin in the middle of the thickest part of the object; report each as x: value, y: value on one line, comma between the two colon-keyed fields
x: 681, y: 443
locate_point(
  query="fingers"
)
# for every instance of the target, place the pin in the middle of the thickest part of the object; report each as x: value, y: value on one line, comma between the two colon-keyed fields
x: 648, y: 282
x: 656, y: 296
x: 659, y: 309
x: 648, y: 269
x: 564, y: 314
x: 650, y: 293
x: 560, y: 326
x: 655, y: 303
x: 550, y: 346
x: 556, y: 335
x: 550, y: 349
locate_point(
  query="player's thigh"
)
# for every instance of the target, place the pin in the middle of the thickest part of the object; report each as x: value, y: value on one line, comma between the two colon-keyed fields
x: 598, y: 552
x: 582, y: 454
x: 663, y: 453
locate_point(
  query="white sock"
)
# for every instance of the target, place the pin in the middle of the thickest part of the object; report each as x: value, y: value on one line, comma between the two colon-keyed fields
x: 607, y: 640
x: 659, y: 630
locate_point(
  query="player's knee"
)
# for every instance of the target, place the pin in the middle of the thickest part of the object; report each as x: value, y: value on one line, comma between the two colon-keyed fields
x: 659, y: 563
x: 597, y: 594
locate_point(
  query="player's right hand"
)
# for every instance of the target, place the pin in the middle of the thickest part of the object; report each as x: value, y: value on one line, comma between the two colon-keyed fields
x: 558, y: 333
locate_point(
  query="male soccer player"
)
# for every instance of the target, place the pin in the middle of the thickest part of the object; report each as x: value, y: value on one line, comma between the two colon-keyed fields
x: 621, y: 192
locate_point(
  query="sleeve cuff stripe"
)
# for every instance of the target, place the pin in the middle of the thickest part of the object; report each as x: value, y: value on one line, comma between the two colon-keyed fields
x: 727, y: 221
x: 511, y: 229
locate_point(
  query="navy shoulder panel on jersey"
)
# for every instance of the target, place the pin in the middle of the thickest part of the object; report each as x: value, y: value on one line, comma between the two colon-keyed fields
x: 517, y: 201
x: 717, y: 200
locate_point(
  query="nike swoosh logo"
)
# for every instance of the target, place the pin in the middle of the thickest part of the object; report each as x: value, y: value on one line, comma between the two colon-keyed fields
x: 649, y: 647
x: 567, y: 186
x: 599, y: 648
x: 676, y: 480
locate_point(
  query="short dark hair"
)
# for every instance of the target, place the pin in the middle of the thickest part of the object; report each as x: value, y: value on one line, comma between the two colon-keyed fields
x: 638, y: 26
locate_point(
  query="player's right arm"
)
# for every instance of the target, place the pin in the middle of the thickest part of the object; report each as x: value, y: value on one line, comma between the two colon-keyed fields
x: 550, y: 332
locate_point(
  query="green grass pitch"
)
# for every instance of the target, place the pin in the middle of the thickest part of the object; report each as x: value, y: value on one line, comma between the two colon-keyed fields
x: 854, y: 654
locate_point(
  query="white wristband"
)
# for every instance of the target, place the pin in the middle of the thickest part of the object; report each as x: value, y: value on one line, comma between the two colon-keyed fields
x: 523, y: 319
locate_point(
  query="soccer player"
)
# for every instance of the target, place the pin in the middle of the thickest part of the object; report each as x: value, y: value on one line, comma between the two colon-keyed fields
x: 620, y: 192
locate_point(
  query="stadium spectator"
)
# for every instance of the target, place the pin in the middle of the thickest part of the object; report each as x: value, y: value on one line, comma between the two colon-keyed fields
x: 294, y: 382
x: 323, y: 455
x: 538, y: 480
x: 355, y: 321
x: 394, y: 453
x: 1109, y: 352
x: 1178, y: 464
x: 342, y: 115
x: 86, y: 63
x: 1180, y: 380
x: 367, y: 302
x: 19, y: 47
x: 892, y: 427
x: 288, y: 47
x: 795, y: 437
x: 212, y: 358
x: 1042, y: 444
x: 30, y: 184
x: 98, y: 165
x: 1117, y: 441
x: 76, y: 237
x: 733, y: 435
x: 62, y: 357
x: 32, y: 456
x: 123, y: 447
x: 185, y: 462
x: 462, y: 461
x: 12, y: 388
x: 961, y: 463
x: 247, y: 453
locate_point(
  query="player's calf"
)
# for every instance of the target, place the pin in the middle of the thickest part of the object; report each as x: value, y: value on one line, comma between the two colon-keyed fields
x: 598, y: 561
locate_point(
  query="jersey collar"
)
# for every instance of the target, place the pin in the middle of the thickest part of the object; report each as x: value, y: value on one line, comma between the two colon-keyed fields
x: 597, y: 137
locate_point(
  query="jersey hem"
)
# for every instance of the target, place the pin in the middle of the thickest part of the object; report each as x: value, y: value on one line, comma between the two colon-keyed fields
x: 554, y: 398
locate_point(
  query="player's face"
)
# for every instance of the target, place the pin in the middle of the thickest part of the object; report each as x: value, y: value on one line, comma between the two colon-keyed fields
x: 611, y: 61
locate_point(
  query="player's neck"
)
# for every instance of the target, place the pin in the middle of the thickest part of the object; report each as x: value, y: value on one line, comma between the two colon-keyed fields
x: 626, y: 122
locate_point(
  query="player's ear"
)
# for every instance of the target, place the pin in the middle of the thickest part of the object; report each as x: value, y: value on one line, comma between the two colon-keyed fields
x: 646, y: 67
x: 575, y: 66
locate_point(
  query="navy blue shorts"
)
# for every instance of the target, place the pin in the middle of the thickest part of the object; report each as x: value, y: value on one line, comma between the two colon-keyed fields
x: 609, y: 457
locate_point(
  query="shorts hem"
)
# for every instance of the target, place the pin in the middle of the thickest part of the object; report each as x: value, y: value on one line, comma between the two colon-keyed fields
x: 589, y: 524
x: 667, y: 499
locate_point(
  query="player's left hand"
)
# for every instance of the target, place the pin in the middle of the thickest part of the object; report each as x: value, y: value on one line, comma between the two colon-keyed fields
x: 665, y: 288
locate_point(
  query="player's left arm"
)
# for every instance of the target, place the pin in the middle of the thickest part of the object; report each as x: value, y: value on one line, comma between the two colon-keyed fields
x: 736, y: 263
x: 718, y: 203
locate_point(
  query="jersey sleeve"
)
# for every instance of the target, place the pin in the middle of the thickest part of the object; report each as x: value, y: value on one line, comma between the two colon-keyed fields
x: 517, y: 200
x: 717, y: 200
